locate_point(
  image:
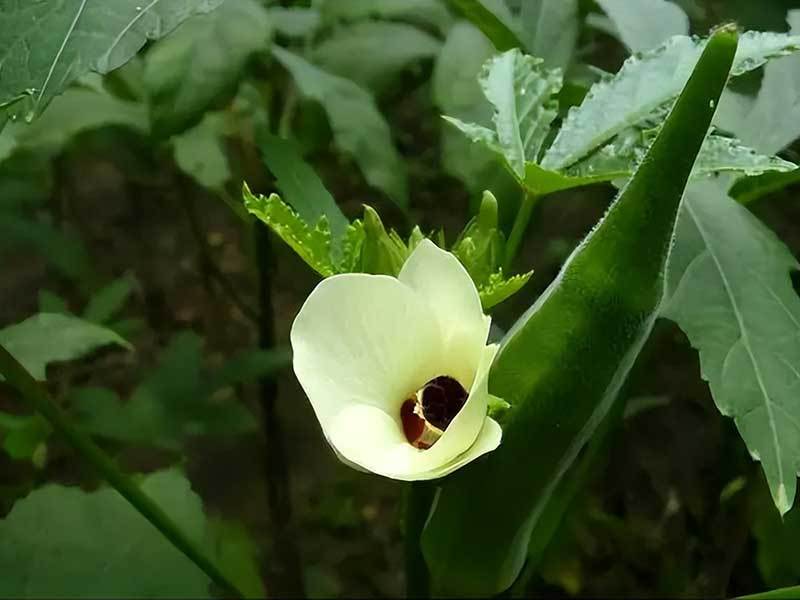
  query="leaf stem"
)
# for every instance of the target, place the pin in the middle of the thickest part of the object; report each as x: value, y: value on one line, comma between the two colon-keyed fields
x: 527, y: 204
x: 18, y: 377
x: 418, y: 499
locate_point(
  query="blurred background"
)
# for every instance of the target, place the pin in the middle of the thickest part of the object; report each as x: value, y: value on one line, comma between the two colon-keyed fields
x: 122, y: 204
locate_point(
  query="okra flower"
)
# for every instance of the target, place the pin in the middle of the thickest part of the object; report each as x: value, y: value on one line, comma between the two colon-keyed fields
x: 396, y: 369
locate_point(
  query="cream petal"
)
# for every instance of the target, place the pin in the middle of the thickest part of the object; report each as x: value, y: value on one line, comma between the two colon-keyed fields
x: 367, y: 438
x: 440, y: 279
x: 370, y: 438
x: 488, y: 439
x: 364, y: 339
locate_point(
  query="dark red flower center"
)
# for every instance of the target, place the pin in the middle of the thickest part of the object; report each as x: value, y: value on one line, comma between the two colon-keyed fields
x: 432, y: 408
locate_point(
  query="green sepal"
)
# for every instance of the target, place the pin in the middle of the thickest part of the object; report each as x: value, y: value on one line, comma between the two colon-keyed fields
x: 383, y: 253
x: 498, y: 288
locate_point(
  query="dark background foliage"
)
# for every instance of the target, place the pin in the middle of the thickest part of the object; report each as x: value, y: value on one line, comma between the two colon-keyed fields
x: 674, y: 507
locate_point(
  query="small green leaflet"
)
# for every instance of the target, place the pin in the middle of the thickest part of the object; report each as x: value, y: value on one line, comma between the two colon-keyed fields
x: 523, y: 95
x: 73, y: 37
x: 50, y: 337
x: 550, y: 30
x: 360, y: 251
x: 311, y: 243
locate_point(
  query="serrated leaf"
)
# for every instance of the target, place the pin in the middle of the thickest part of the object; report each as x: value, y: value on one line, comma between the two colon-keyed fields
x: 719, y: 154
x: 499, y: 288
x: 358, y: 127
x: 523, y: 95
x: 312, y: 245
x: 550, y: 30
x: 176, y: 399
x: 49, y: 337
x: 201, y: 63
x: 643, y: 85
x: 644, y: 24
x: 62, y: 541
x: 729, y: 289
x: 372, y: 53
x: 44, y: 46
x: 768, y: 122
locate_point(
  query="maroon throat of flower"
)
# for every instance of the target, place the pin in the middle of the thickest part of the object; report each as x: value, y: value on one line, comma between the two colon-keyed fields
x: 427, y: 414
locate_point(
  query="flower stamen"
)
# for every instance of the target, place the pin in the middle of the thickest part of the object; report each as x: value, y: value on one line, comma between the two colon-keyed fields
x: 427, y: 414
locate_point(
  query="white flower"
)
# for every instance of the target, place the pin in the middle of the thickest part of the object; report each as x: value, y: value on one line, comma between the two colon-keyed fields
x: 376, y: 354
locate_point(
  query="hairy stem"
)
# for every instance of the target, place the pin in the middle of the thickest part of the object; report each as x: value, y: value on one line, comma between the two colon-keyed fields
x: 523, y: 218
x: 18, y: 377
x: 287, y: 574
x: 418, y: 500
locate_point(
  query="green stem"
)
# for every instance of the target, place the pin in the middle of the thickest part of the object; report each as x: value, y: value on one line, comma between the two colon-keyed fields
x: 521, y: 222
x: 419, y: 497
x: 18, y: 377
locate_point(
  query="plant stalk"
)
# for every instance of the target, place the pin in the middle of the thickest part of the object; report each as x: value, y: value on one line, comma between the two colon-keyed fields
x: 18, y: 377
x: 418, y: 499
x: 521, y: 221
x: 287, y: 573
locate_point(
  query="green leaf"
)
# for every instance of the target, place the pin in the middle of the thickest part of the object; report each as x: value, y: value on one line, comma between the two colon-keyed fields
x: 61, y: 541
x: 719, y: 154
x: 789, y: 593
x: 776, y: 542
x: 492, y: 18
x: 422, y: 12
x: 550, y: 30
x: 108, y: 301
x: 202, y: 62
x: 456, y: 92
x: 47, y: 337
x: 294, y: 21
x: 729, y: 289
x: 645, y: 24
x: 63, y: 249
x: 523, y: 96
x: 200, y: 152
x: 770, y: 121
x: 301, y: 186
x: 750, y: 189
x: 372, y: 53
x: 24, y: 437
x: 44, y: 46
x: 643, y: 85
x: 313, y: 245
x: 498, y: 288
x: 560, y: 382
x: 358, y: 127
x: 175, y: 400
x: 77, y: 110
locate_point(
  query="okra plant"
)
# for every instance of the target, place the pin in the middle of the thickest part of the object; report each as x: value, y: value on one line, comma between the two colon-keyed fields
x: 366, y: 338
